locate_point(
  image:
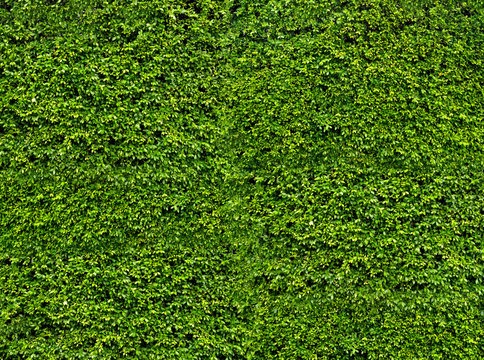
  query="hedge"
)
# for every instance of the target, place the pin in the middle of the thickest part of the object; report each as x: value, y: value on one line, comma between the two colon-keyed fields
x: 200, y: 179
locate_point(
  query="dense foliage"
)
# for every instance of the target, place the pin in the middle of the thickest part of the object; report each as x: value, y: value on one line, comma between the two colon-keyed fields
x: 201, y: 179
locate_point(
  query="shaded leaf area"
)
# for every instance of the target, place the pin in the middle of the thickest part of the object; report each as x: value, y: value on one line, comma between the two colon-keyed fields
x: 241, y: 179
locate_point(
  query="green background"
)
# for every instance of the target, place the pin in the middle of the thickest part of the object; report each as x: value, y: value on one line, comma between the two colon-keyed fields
x: 297, y: 179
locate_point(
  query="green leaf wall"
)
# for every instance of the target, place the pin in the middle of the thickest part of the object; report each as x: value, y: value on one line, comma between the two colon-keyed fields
x: 241, y: 179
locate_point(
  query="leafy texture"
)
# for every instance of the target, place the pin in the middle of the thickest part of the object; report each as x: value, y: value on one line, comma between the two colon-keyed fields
x: 241, y: 179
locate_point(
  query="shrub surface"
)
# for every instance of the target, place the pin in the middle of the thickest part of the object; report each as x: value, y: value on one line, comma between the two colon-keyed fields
x: 200, y: 179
